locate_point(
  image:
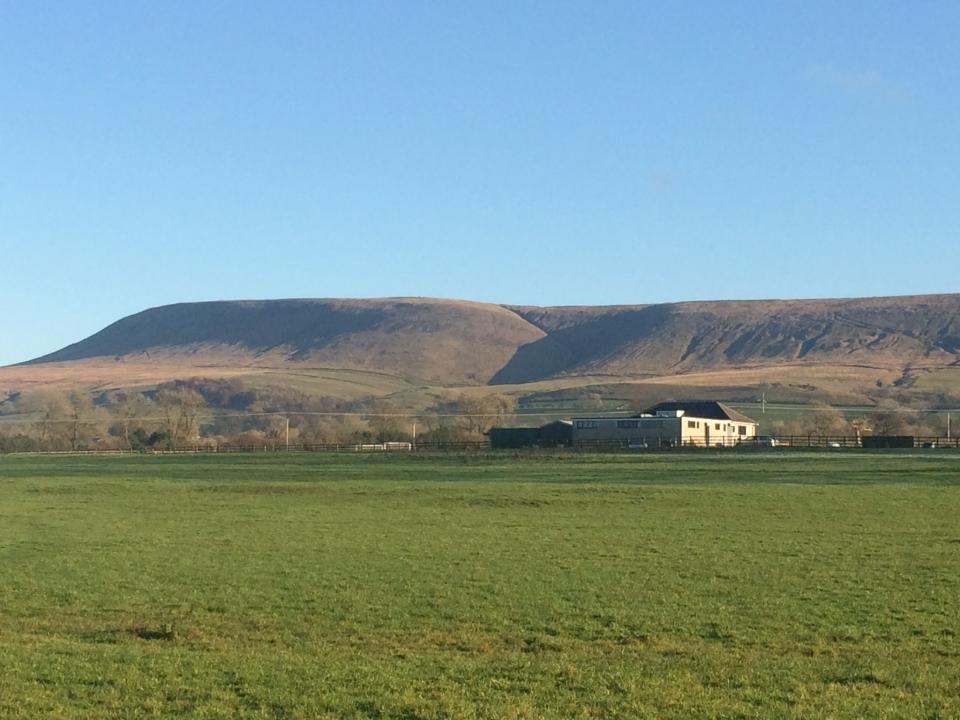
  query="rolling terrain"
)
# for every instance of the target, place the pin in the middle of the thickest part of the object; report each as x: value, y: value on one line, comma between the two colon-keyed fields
x: 850, y: 349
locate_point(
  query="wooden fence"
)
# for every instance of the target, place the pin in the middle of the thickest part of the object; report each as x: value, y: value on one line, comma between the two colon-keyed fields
x: 785, y: 442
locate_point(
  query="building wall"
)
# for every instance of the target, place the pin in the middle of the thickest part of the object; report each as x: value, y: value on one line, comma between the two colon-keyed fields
x: 514, y: 437
x: 555, y: 434
x: 661, y: 431
x: 654, y: 431
x: 708, y: 432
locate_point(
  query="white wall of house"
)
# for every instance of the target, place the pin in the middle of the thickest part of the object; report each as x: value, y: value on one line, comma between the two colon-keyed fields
x: 708, y: 432
x: 661, y: 431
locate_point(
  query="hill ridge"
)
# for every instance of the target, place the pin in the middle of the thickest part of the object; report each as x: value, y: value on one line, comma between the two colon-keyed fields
x: 470, y: 342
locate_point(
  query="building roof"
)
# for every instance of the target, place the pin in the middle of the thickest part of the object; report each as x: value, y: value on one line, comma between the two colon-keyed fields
x: 710, y: 409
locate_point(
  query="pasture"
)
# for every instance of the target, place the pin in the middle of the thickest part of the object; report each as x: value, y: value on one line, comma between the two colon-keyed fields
x: 749, y: 585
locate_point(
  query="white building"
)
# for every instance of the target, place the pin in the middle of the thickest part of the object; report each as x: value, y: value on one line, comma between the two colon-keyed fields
x: 703, y: 423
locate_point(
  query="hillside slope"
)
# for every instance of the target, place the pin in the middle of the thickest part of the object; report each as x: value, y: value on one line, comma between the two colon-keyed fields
x: 898, y: 332
x: 466, y: 343
x: 432, y: 340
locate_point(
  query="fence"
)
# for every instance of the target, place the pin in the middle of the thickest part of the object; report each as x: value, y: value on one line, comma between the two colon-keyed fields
x: 780, y: 441
x: 385, y: 448
x: 599, y: 446
x: 845, y: 441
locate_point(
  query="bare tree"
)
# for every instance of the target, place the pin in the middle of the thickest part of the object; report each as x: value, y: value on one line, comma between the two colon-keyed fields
x: 888, y: 420
x: 48, y: 412
x: 823, y: 420
x: 387, y: 424
x: 81, y: 417
x: 130, y: 410
x: 179, y: 410
x: 483, y: 412
x: 275, y: 429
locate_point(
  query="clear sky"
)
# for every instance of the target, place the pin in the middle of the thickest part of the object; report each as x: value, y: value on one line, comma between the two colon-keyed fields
x: 519, y: 152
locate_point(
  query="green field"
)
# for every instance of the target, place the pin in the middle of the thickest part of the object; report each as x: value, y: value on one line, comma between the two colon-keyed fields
x: 492, y: 586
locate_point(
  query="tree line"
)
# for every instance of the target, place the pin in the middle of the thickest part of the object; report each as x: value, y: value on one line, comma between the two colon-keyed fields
x: 205, y: 413
x: 821, y: 420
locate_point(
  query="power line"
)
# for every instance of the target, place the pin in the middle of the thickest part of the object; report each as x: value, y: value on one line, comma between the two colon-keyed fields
x: 207, y: 416
x: 32, y: 417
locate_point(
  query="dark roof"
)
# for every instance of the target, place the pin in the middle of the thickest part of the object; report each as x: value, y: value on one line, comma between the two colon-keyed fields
x: 702, y: 409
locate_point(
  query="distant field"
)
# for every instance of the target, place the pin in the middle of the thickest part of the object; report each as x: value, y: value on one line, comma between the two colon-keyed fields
x: 95, y: 375
x: 797, y: 385
x: 488, y: 586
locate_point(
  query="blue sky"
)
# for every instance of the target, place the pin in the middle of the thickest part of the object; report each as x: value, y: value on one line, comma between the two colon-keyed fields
x: 523, y: 152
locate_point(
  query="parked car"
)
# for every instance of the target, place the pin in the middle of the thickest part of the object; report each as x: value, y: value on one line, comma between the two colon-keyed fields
x: 760, y: 441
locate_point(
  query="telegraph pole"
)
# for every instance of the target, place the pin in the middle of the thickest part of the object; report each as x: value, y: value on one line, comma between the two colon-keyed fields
x: 287, y: 432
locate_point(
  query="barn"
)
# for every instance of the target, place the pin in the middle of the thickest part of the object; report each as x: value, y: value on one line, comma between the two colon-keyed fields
x: 558, y: 433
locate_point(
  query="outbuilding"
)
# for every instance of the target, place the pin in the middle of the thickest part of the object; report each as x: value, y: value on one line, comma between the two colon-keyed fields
x: 558, y: 433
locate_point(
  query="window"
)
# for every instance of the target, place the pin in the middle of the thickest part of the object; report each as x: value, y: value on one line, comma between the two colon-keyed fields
x: 586, y: 424
x: 626, y: 424
x: 743, y: 429
x: 691, y: 424
x: 716, y: 426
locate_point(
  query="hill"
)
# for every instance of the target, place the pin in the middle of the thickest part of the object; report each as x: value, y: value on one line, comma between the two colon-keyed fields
x: 442, y: 341
x: 895, y: 332
x: 846, y: 346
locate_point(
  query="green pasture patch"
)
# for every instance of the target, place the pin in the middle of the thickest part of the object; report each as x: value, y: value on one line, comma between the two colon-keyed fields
x: 513, y: 585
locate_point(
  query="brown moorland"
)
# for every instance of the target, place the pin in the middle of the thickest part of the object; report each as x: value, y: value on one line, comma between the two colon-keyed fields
x: 389, y: 346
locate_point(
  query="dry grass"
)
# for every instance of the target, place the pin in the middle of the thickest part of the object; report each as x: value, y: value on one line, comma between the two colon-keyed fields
x: 841, y: 384
x: 98, y: 374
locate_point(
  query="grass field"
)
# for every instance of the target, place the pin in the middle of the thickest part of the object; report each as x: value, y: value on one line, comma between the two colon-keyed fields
x: 492, y: 586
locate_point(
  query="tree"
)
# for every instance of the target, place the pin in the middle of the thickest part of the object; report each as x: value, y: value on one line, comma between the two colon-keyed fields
x: 888, y: 420
x: 320, y: 430
x: 81, y: 415
x: 49, y: 413
x: 443, y: 429
x: 593, y: 402
x: 481, y: 413
x: 275, y: 430
x: 387, y: 424
x: 179, y: 409
x: 934, y: 424
x: 823, y: 420
x: 131, y: 411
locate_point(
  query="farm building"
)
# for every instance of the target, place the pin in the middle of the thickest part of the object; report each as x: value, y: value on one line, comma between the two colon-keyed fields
x: 553, y: 434
x: 702, y: 423
x: 557, y: 433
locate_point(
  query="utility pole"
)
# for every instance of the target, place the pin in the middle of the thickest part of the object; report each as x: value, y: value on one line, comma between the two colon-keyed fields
x: 948, y: 425
x: 414, y: 434
x: 763, y: 403
x: 287, y: 432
